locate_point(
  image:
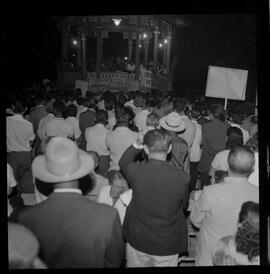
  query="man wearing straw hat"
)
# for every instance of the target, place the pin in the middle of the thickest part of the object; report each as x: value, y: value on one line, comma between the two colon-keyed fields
x: 73, y: 231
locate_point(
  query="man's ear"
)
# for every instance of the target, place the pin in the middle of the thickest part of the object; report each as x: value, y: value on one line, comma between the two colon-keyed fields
x: 145, y: 148
x: 169, y: 149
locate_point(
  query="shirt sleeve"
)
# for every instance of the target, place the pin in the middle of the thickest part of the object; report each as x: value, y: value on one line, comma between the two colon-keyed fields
x: 200, y: 209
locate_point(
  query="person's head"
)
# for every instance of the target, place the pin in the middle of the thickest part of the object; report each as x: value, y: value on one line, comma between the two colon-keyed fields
x: 62, y: 164
x: 109, y: 103
x: 58, y: 108
x: 118, y: 183
x: 237, y: 117
x: 157, y: 142
x: 241, y: 161
x: 40, y: 98
x: 78, y: 92
x: 179, y: 105
x: 195, y: 113
x: 92, y: 103
x: 253, y: 143
x: 150, y: 104
x: 19, y: 107
x: 23, y: 248
x: 220, y: 175
x: 121, y: 99
x: 101, y: 117
x: 123, y: 116
x: 234, y: 137
x: 88, y: 94
x: 152, y: 120
x: 247, y: 238
x: 217, y: 112
x: 173, y: 123
x: 131, y: 95
x: 71, y: 111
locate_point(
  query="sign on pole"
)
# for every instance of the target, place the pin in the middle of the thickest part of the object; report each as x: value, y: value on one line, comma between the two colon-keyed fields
x: 227, y: 83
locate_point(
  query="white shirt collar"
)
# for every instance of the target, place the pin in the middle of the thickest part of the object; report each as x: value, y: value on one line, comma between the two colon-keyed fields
x: 64, y: 190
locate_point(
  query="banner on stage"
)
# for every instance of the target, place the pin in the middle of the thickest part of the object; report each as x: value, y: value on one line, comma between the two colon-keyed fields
x: 226, y: 83
x: 83, y: 85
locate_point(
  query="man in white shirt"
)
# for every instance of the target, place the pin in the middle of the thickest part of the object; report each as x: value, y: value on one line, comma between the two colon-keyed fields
x: 82, y: 106
x: 195, y: 150
x: 121, y: 138
x: 141, y: 117
x: 20, y: 137
x: 73, y: 121
x: 95, y: 136
x: 189, y: 134
x: 58, y: 126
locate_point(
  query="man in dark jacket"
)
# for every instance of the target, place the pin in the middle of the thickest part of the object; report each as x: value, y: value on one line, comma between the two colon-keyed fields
x: 154, y: 225
x: 73, y: 231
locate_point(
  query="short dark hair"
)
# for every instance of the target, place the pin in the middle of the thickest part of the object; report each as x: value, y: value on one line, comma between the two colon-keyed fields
x: 19, y: 107
x: 92, y: 102
x: 80, y: 101
x: 101, y: 116
x: 71, y: 111
x: 218, y: 111
x: 241, y: 161
x: 179, y: 104
x: 195, y: 112
x: 237, y: 117
x: 157, y: 140
x: 150, y: 103
x: 58, y: 106
x: 234, y: 137
x: 124, y: 115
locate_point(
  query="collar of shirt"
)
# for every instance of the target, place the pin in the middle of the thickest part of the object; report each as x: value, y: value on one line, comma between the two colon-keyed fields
x: 18, y: 117
x: 91, y: 109
x: 67, y: 190
x: 235, y: 125
x: 236, y: 179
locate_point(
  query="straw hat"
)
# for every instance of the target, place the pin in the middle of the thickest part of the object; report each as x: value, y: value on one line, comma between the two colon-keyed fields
x: 62, y: 162
x: 172, y: 122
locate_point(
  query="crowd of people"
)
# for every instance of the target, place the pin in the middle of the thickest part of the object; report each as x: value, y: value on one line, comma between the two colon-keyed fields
x: 114, y: 179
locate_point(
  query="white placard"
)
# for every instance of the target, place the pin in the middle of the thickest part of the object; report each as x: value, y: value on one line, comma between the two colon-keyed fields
x: 226, y: 83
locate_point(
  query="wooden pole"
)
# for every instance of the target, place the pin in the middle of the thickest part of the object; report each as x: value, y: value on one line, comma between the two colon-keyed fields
x: 225, y: 105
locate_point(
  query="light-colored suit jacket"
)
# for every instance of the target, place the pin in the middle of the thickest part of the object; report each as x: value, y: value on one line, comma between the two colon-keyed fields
x: 216, y: 212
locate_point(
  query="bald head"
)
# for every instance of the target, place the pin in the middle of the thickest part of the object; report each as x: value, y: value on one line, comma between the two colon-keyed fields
x: 241, y: 161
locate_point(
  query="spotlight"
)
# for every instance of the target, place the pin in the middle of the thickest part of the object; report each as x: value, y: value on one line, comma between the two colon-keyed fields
x: 144, y: 35
x: 165, y: 41
x: 160, y: 45
x: 75, y: 42
x: 125, y: 58
x: 140, y: 45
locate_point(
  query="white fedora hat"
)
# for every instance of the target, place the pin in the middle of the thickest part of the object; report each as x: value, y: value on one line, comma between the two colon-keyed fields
x: 62, y: 162
x: 172, y: 122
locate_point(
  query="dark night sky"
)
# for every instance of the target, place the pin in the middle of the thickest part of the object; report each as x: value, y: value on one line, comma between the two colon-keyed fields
x: 225, y: 40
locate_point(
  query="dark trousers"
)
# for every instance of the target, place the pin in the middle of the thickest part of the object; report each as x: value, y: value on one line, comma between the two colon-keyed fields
x: 21, y: 165
x: 193, y: 175
x: 205, y: 178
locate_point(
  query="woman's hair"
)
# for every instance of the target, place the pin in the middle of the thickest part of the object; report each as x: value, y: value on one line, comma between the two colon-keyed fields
x: 247, y: 238
x: 234, y: 137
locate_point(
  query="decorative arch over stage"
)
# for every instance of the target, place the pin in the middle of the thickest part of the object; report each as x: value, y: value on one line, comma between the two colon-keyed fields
x: 152, y: 34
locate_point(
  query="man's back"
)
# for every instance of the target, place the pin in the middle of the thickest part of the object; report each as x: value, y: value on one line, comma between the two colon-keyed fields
x: 74, y: 232
x: 35, y: 117
x: 154, y: 221
x: 117, y: 142
x: 216, y: 213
